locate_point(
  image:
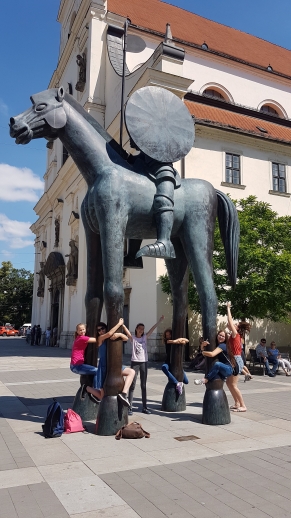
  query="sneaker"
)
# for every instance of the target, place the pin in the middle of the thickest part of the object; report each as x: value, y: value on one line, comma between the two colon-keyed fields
x: 123, y: 398
x: 83, y: 392
x: 199, y: 382
x: 146, y: 411
x: 130, y: 412
x: 179, y: 388
x: 94, y: 399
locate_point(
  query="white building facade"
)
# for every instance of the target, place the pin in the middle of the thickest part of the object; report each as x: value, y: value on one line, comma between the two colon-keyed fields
x: 236, y: 87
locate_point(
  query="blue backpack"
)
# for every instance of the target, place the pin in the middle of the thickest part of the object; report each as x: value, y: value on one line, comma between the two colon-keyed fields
x: 54, y: 423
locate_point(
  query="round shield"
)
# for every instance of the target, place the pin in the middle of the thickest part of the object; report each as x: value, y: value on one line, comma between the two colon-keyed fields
x: 159, y: 124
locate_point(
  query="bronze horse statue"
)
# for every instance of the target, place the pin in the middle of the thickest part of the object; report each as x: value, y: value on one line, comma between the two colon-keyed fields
x: 119, y: 205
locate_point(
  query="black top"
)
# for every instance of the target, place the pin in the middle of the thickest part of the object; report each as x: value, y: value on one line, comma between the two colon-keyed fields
x: 220, y: 357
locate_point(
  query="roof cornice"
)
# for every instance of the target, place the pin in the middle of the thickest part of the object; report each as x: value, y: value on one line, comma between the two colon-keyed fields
x: 214, y: 52
x: 236, y: 108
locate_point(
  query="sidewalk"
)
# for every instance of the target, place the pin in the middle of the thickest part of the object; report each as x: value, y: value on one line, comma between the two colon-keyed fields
x: 241, y: 469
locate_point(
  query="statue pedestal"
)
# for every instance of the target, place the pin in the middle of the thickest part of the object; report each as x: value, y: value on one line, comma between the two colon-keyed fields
x: 172, y: 401
x: 86, y: 408
x: 111, y: 417
x: 215, y: 404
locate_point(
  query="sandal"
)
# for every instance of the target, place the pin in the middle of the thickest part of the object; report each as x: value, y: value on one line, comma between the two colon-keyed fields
x: 239, y: 409
x: 233, y: 407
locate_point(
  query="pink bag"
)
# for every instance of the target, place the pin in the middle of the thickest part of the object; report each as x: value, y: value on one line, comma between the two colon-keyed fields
x: 73, y: 422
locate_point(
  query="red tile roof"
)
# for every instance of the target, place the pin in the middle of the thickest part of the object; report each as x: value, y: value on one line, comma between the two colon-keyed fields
x: 186, y: 26
x: 226, y: 119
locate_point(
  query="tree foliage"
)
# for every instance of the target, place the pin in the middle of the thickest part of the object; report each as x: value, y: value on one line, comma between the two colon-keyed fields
x: 263, y: 287
x: 16, y: 287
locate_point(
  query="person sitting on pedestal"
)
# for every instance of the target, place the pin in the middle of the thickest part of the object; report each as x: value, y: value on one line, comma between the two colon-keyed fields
x: 126, y: 372
x: 222, y: 368
x: 166, y: 367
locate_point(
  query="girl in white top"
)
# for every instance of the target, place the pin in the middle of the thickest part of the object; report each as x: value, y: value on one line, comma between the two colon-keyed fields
x: 139, y: 359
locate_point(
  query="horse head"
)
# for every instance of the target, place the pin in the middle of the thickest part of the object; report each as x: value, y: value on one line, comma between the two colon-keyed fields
x: 43, y: 119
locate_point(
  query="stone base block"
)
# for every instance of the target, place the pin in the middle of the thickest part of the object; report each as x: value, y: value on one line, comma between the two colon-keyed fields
x: 172, y: 401
x: 86, y: 408
x: 111, y: 417
x: 215, y: 404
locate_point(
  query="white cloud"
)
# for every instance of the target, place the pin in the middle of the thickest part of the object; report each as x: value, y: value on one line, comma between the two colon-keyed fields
x: 3, y: 108
x: 16, y: 233
x: 19, y: 184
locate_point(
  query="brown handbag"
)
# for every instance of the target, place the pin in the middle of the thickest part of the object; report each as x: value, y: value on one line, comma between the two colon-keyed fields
x: 132, y: 431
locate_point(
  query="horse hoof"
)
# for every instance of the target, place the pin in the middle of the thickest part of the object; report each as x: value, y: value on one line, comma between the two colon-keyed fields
x: 158, y: 249
x: 132, y: 262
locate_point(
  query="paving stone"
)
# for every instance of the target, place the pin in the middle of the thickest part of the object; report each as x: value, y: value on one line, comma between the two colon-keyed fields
x: 151, y: 478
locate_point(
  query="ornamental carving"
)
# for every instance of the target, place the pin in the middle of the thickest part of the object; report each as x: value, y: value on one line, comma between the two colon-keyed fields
x: 41, y: 281
x: 72, y: 265
x: 81, y: 62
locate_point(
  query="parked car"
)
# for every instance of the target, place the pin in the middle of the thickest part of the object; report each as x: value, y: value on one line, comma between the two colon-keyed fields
x: 8, y: 331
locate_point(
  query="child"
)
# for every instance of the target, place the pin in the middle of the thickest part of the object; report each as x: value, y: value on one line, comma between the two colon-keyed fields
x: 126, y: 372
x: 139, y: 361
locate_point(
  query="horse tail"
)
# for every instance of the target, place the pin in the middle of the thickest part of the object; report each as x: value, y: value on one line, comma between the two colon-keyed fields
x: 230, y: 232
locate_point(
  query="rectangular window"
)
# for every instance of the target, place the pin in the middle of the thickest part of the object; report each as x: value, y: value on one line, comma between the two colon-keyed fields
x: 232, y: 168
x: 279, y: 177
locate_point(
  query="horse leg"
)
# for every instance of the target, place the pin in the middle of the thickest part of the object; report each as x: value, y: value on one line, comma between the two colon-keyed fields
x: 129, y: 260
x: 93, y: 302
x: 179, y: 278
x: 198, y: 245
x: 112, y: 415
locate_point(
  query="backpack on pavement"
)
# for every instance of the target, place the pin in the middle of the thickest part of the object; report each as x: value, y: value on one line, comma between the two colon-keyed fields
x: 54, y: 423
x: 132, y: 431
x: 73, y: 422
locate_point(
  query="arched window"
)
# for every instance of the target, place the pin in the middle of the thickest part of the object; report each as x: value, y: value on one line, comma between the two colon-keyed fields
x: 270, y: 110
x: 214, y: 94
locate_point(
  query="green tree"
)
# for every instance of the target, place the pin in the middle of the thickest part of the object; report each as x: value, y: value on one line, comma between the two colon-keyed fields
x: 263, y: 287
x: 16, y: 287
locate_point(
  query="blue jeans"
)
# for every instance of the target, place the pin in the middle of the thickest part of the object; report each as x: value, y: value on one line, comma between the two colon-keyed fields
x: 86, y: 369
x: 171, y: 378
x: 267, y: 366
x: 275, y: 364
x: 219, y: 370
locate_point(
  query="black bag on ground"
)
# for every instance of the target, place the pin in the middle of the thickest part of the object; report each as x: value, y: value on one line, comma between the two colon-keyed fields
x: 54, y: 423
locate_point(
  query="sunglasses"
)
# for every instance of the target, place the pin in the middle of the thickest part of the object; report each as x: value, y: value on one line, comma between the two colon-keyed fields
x: 100, y: 328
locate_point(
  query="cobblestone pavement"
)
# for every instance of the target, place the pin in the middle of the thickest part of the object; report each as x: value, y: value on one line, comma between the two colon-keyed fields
x: 241, y: 469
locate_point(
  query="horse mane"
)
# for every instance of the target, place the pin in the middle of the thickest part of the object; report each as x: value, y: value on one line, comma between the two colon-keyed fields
x: 111, y: 141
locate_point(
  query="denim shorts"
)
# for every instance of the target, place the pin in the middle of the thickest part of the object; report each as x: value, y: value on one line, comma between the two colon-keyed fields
x: 239, y: 361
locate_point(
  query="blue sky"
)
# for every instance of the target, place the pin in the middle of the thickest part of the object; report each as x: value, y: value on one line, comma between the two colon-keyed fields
x: 29, y: 37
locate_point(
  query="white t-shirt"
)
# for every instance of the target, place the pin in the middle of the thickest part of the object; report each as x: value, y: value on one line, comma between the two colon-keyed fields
x: 139, y: 349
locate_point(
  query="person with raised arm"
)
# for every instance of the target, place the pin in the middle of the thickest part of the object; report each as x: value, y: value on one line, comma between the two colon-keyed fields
x: 78, y: 365
x: 102, y: 336
x: 234, y: 343
x: 139, y: 361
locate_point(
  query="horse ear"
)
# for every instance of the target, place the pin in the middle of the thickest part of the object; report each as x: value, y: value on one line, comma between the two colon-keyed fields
x: 60, y: 94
